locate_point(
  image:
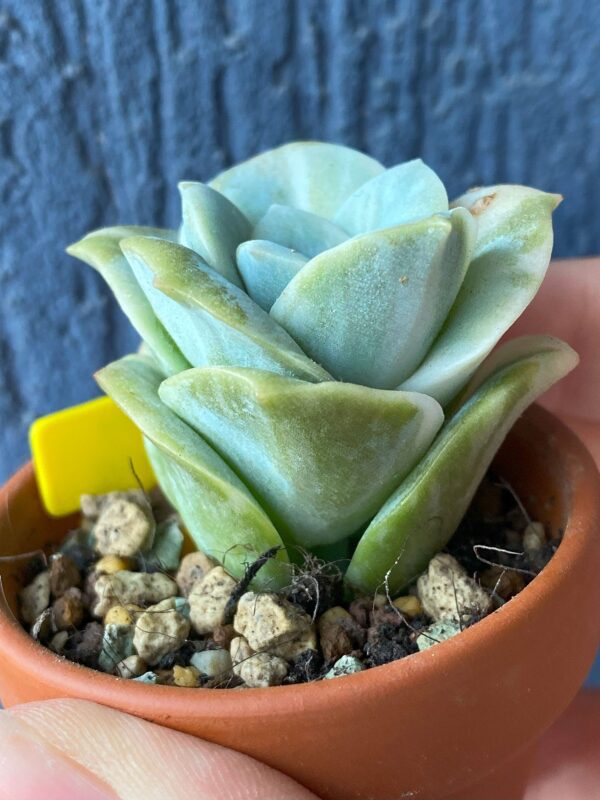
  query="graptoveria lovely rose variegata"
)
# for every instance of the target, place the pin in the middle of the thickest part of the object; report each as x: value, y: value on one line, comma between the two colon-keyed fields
x: 315, y: 371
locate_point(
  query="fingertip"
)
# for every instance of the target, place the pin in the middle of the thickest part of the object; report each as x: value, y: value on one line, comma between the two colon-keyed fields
x: 30, y: 768
x: 139, y: 759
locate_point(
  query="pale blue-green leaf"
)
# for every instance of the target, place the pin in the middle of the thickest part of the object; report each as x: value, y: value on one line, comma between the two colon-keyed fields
x: 212, y: 321
x: 213, y: 227
x: 266, y: 269
x: 503, y: 356
x: 222, y: 517
x: 512, y: 253
x: 306, y: 233
x: 313, y: 176
x: 100, y: 249
x: 401, y: 194
x: 321, y: 458
x: 422, y: 514
x: 369, y: 309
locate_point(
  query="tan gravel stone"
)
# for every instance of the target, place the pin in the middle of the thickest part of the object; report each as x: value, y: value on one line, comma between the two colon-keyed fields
x: 160, y: 630
x: 208, y: 600
x: 192, y: 569
x: 448, y: 593
x: 125, y: 587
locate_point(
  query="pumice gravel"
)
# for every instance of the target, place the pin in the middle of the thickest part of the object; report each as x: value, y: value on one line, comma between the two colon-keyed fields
x: 124, y: 595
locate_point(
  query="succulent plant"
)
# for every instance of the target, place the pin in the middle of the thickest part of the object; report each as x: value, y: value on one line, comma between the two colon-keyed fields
x: 316, y: 369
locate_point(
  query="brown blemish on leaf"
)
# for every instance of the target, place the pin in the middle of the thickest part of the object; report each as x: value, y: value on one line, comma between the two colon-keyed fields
x: 480, y: 205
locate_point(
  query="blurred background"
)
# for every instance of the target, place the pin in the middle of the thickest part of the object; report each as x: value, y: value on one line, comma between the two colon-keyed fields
x: 106, y: 104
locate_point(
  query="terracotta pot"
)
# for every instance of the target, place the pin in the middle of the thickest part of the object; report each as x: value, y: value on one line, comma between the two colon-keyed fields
x: 457, y: 721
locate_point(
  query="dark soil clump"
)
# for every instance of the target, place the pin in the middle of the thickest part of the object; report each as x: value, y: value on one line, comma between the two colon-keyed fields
x: 316, y: 587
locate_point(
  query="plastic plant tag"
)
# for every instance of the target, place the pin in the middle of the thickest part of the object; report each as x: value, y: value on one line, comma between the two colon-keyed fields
x: 91, y: 448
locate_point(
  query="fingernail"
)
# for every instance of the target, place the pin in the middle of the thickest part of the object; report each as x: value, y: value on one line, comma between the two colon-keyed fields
x: 31, y: 770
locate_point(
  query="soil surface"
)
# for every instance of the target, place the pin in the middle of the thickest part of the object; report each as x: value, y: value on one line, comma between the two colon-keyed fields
x: 118, y: 596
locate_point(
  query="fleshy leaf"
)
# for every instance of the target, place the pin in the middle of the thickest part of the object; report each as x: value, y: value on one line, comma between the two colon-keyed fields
x: 212, y: 321
x: 422, y: 514
x: 401, y: 194
x: 369, y: 309
x: 100, y: 249
x: 219, y: 512
x: 312, y: 176
x: 266, y: 269
x: 511, y: 256
x: 306, y: 233
x: 213, y: 227
x: 321, y: 458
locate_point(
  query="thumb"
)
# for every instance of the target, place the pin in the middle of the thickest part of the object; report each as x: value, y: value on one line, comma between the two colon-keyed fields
x: 76, y: 750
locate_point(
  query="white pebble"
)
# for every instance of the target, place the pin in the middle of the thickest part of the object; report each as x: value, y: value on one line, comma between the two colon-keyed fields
x: 257, y: 670
x: 448, y: 593
x: 239, y: 650
x: 534, y: 538
x: 35, y: 598
x: 131, y: 667
x: 212, y: 662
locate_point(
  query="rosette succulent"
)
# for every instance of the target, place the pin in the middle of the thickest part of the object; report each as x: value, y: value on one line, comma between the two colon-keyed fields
x: 315, y: 370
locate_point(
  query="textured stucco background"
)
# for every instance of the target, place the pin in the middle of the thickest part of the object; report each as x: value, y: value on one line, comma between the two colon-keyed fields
x: 106, y: 104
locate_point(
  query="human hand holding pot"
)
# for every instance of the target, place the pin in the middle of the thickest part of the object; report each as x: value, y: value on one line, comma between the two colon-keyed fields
x: 72, y: 750
x: 567, y: 306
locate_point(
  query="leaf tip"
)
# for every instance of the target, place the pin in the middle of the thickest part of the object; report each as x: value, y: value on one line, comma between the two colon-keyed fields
x: 555, y: 200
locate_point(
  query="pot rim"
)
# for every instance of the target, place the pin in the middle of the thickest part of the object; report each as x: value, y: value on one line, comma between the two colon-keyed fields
x: 578, y: 468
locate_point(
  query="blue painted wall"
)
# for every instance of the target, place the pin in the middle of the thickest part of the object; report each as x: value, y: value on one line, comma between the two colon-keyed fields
x: 106, y: 104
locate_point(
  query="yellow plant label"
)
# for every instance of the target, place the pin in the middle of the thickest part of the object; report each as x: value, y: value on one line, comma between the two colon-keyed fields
x: 91, y: 448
